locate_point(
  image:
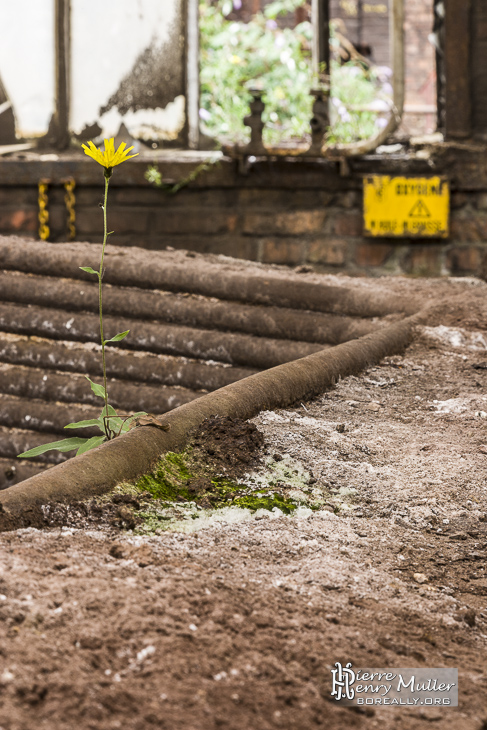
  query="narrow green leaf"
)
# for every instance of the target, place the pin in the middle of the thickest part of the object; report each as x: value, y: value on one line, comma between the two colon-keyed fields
x: 97, y: 389
x: 84, y: 424
x: 90, y: 444
x: 89, y: 270
x: 111, y: 412
x: 117, y: 338
x: 63, y: 445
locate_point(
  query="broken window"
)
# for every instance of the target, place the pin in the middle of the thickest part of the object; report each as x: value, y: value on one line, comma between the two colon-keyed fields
x: 27, y: 69
x: 83, y: 67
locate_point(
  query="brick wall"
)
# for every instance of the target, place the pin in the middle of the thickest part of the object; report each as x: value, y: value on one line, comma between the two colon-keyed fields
x: 281, y: 211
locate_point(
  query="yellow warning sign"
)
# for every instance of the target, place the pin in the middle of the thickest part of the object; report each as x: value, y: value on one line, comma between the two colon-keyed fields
x: 411, y: 207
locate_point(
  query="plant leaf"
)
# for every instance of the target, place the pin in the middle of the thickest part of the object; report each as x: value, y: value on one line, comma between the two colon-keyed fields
x: 111, y: 412
x: 114, y: 424
x: 64, y: 445
x: 97, y: 389
x: 84, y: 424
x: 117, y: 338
x: 90, y: 444
x: 113, y: 419
x: 89, y: 270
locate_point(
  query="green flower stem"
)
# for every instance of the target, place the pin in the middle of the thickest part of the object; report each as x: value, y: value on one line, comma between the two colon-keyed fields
x: 100, y: 307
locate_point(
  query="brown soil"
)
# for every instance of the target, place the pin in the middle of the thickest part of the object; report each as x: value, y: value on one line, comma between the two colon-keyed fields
x: 237, y: 626
x: 230, y: 445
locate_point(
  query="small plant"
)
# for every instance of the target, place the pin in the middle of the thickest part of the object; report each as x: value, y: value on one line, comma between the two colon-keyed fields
x: 153, y: 175
x: 110, y: 423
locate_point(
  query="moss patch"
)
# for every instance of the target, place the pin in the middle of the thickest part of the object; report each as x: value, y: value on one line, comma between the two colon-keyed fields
x: 182, y: 487
x: 170, y: 478
x: 212, y: 480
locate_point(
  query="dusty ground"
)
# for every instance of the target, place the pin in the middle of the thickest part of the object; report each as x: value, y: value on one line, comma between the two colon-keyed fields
x: 237, y: 625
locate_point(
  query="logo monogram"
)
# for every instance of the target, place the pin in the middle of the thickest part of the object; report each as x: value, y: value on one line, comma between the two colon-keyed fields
x: 343, y: 678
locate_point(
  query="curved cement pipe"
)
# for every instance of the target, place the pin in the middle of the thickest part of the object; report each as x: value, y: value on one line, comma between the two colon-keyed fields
x: 136, y: 453
x: 276, y: 322
x: 131, y: 267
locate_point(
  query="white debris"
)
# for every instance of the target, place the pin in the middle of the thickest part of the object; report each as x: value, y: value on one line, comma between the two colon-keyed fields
x: 457, y: 337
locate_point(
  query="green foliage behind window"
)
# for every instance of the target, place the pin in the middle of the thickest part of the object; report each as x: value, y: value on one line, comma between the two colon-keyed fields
x: 237, y: 55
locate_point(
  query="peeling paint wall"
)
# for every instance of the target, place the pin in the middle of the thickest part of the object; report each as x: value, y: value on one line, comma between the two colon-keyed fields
x: 128, y: 65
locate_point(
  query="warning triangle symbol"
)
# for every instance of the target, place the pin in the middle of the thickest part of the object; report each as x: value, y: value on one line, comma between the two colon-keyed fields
x: 419, y: 210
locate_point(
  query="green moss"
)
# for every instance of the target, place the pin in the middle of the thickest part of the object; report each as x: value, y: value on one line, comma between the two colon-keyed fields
x: 188, y: 495
x: 170, y: 485
x: 269, y: 501
x: 238, y: 495
x: 168, y: 481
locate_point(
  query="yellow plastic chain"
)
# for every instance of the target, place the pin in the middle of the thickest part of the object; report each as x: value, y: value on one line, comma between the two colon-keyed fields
x: 69, y: 199
x: 43, y: 212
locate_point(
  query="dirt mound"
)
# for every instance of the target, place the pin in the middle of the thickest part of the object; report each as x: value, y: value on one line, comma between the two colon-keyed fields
x: 229, y: 443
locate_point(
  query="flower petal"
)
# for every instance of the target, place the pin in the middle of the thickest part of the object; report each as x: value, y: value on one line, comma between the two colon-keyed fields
x: 108, y: 157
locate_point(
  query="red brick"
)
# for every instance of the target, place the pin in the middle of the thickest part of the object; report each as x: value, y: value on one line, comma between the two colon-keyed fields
x: 349, y: 199
x: 18, y: 220
x: 347, y: 224
x: 469, y: 230
x: 229, y: 245
x: 372, y: 254
x: 459, y: 200
x: 289, y: 223
x: 193, y: 220
x: 15, y: 196
x: 423, y: 260
x: 331, y: 251
x: 285, y: 200
x: 464, y: 260
x: 120, y: 220
x: 281, y: 251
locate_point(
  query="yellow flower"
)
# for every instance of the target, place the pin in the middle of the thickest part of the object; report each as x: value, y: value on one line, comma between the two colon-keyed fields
x: 109, y: 158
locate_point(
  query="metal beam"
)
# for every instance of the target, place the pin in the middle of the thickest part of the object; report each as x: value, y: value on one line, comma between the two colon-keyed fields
x: 320, y: 15
x: 58, y: 133
x: 457, y: 68
x: 192, y: 73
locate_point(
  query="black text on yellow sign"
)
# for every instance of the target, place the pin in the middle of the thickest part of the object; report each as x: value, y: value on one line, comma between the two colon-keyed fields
x: 406, y: 207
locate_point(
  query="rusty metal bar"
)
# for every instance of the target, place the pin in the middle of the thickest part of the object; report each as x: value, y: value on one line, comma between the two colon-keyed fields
x: 58, y: 133
x: 457, y: 66
x: 320, y: 15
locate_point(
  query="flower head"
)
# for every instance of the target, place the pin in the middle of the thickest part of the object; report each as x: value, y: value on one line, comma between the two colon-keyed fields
x: 109, y: 158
